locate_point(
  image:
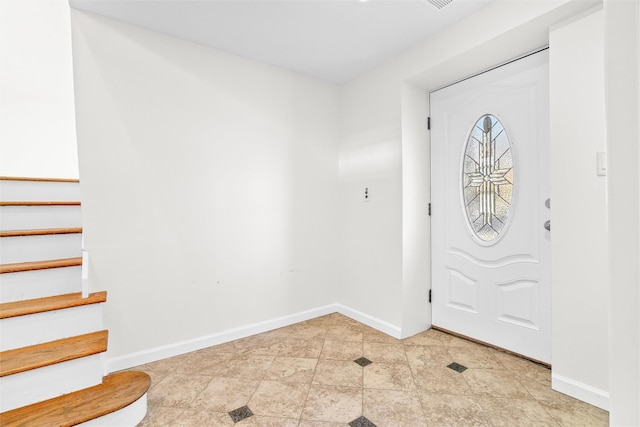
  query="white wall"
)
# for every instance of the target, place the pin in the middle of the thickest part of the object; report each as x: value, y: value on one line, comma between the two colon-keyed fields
x: 137, y: 94
x: 373, y: 114
x: 37, y: 123
x: 384, y: 146
x: 209, y: 187
x: 371, y: 232
x: 579, y: 245
x: 416, y: 230
x: 622, y: 81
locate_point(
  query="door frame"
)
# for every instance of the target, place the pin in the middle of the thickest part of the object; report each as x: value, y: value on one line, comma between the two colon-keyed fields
x: 415, y: 309
x: 431, y: 183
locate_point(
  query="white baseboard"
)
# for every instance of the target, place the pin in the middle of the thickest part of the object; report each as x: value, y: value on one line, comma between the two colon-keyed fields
x: 586, y: 393
x: 378, y: 324
x: 158, y: 353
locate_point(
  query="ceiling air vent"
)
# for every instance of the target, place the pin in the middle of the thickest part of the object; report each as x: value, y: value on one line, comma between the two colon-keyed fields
x: 439, y: 4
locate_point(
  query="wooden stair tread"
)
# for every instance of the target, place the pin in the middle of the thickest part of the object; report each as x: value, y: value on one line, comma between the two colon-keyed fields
x: 41, y: 305
x: 41, y: 232
x: 40, y: 265
x: 37, y: 203
x: 117, y: 391
x: 36, y: 356
x: 22, y: 178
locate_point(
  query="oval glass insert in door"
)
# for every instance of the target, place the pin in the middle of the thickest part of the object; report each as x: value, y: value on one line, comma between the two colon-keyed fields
x: 487, y: 178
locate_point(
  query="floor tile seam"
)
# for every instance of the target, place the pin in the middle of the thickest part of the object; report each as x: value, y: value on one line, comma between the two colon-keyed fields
x: 335, y: 386
x: 192, y: 402
x: 417, y: 391
x: 315, y: 369
x: 304, y: 404
x: 339, y: 341
x: 296, y: 382
x: 389, y: 363
x: 487, y: 393
x: 298, y: 338
x: 361, y: 367
x: 531, y: 394
x: 560, y: 423
x: 464, y: 378
x: 265, y: 416
x: 414, y: 390
x: 535, y: 399
x: 311, y: 385
x: 259, y: 381
x: 362, y: 377
x: 405, y: 341
x: 451, y: 355
x: 362, y: 388
x: 389, y: 389
x: 180, y: 407
x: 338, y: 360
x: 153, y: 386
x: 487, y: 413
x: 473, y: 367
x: 200, y: 392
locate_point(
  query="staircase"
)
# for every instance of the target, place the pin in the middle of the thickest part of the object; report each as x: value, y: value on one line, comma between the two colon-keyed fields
x: 52, y: 340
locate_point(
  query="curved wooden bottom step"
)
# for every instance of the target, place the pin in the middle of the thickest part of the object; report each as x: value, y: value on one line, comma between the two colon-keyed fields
x: 116, y: 392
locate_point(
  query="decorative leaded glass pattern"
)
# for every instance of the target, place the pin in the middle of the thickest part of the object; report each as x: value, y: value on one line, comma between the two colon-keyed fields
x: 487, y: 178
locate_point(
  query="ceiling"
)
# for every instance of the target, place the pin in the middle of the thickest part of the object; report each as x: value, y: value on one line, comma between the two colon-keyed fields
x: 333, y: 40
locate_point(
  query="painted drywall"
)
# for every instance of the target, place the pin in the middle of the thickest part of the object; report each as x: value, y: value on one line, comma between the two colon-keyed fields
x: 383, y: 103
x: 371, y: 240
x: 379, y: 130
x: 209, y: 186
x: 579, y: 246
x: 416, y: 230
x: 622, y: 81
x: 384, y: 268
x: 37, y: 114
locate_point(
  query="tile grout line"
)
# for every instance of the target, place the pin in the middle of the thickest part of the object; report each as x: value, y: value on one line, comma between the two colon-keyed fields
x: 259, y: 380
x: 304, y: 405
x: 362, y: 379
x: 538, y: 401
x: 415, y: 384
x: 485, y: 413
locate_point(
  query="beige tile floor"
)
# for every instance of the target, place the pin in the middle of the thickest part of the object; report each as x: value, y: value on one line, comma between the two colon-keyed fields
x: 305, y: 375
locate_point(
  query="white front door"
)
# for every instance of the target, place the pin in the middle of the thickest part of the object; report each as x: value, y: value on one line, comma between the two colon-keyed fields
x: 490, y: 184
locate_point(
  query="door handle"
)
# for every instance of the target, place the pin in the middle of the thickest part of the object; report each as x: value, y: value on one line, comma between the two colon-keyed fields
x: 547, y: 225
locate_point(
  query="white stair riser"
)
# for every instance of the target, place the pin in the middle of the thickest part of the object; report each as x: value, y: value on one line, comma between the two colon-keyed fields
x: 39, y: 191
x: 36, y: 217
x: 22, y: 331
x: 40, y: 248
x: 40, y: 283
x: 128, y: 416
x: 51, y: 381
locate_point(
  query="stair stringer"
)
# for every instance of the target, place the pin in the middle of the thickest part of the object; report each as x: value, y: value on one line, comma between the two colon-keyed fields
x: 77, y: 377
